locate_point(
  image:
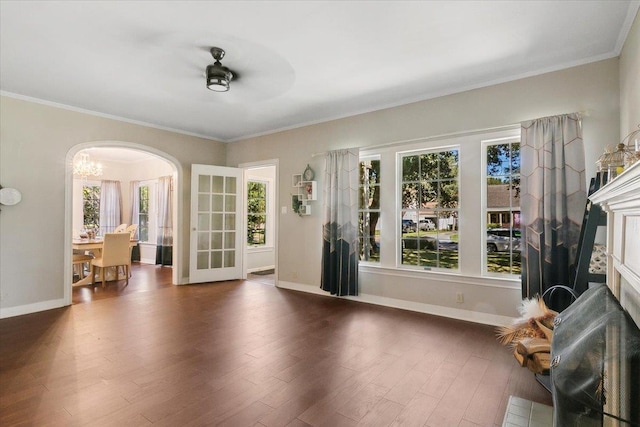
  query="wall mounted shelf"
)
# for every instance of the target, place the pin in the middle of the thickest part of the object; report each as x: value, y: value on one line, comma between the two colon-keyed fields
x: 305, y: 192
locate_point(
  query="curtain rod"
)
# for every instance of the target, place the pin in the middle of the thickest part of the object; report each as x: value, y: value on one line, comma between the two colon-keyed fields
x: 441, y: 136
x: 428, y: 138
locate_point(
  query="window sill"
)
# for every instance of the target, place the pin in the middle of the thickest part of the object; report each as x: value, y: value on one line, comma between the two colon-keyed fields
x: 453, y: 277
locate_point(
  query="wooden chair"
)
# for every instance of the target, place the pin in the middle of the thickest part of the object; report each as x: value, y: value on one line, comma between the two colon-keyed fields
x: 79, y: 260
x: 132, y: 229
x: 115, y: 253
x: 121, y: 228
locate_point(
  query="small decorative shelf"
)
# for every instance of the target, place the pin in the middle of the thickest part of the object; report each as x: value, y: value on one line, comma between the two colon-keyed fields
x: 306, y: 191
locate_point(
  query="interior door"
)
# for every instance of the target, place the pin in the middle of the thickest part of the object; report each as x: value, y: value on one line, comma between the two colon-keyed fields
x: 216, y: 223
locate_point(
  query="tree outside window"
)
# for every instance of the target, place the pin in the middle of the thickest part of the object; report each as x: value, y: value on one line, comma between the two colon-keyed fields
x: 503, y: 208
x: 91, y: 206
x: 369, y: 210
x: 256, y: 213
x: 429, y: 209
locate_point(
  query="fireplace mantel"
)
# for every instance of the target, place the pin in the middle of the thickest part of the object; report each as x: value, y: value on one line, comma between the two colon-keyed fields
x: 620, y: 198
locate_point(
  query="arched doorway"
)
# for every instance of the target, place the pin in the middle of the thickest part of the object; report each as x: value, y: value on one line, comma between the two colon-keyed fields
x: 173, y: 168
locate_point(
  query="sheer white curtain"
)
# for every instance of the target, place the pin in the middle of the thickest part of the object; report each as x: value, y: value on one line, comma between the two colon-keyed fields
x: 340, y: 227
x: 110, y: 206
x: 553, y: 198
x: 164, y: 248
x: 135, y: 204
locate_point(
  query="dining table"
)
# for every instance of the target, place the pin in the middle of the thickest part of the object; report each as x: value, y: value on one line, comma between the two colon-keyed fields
x: 95, y: 246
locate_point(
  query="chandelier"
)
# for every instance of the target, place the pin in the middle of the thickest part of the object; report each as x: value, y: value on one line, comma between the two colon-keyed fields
x: 84, y: 167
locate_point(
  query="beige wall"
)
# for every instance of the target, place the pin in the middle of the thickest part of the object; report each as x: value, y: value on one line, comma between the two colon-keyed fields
x: 592, y: 88
x: 34, y: 142
x: 630, y: 81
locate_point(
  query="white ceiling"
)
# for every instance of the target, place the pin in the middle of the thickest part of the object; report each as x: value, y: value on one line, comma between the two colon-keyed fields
x: 299, y: 62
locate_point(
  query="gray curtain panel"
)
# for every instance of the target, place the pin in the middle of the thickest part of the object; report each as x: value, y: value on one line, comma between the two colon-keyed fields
x: 553, y: 197
x: 110, y: 206
x: 164, y: 248
x: 340, y: 226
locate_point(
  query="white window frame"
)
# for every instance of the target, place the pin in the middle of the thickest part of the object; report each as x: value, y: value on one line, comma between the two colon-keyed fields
x: 153, y: 210
x: 470, y: 269
x: 485, y: 144
x: 88, y: 183
x: 398, y: 212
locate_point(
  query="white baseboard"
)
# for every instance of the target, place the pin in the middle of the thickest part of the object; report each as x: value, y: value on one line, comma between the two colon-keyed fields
x: 438, y: 310
x: 30, y: 308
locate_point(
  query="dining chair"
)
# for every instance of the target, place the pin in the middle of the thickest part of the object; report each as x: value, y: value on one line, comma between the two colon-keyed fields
x: 115, y: 253
x: 79, y: 260
x: 121, y: 228
x: 132, y: 229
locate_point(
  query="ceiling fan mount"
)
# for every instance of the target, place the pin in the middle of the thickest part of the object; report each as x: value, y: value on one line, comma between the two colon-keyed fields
x: 217, y: 53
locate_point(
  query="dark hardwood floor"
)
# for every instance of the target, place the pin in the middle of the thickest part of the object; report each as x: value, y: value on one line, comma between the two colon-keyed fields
x: 143, y: 278
x: 244, y: 353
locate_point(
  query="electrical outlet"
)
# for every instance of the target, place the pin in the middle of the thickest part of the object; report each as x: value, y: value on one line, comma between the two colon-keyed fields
x: 459, y: 297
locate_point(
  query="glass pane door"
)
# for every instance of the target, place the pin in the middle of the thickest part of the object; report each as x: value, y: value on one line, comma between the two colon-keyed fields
x: 216, y: 250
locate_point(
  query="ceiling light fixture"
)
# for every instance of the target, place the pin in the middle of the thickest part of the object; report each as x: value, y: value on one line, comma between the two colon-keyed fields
x: 84, y: 167
x: 218, y: 76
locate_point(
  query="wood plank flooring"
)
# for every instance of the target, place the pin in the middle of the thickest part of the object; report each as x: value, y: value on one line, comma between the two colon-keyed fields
x: 143, y: 278
x: 243, y: 353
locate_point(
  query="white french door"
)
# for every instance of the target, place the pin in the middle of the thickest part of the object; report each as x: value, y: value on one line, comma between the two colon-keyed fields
x: 216, y: 250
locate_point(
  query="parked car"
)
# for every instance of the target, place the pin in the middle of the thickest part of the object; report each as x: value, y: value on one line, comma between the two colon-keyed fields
x: 426, y: 224
x: 502, y: 239
x: 409, y: 226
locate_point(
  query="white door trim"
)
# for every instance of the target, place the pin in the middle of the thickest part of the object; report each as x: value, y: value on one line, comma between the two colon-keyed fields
x: 277, y: 213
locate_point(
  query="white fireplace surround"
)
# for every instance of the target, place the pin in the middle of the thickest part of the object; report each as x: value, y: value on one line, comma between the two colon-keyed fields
x: 620, y: 198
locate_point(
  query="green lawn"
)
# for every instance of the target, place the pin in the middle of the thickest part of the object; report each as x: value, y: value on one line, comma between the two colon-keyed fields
x: 497, y: 262
x: 429, y: 256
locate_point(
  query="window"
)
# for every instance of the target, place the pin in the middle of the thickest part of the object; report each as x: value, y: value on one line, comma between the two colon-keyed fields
x: 429, y: 209
x: 256, y: 213
x: 91, y: 206
x: 433, y: 211
x: 369, y: 210
x: 143, y: 213
x: 502, y: 210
